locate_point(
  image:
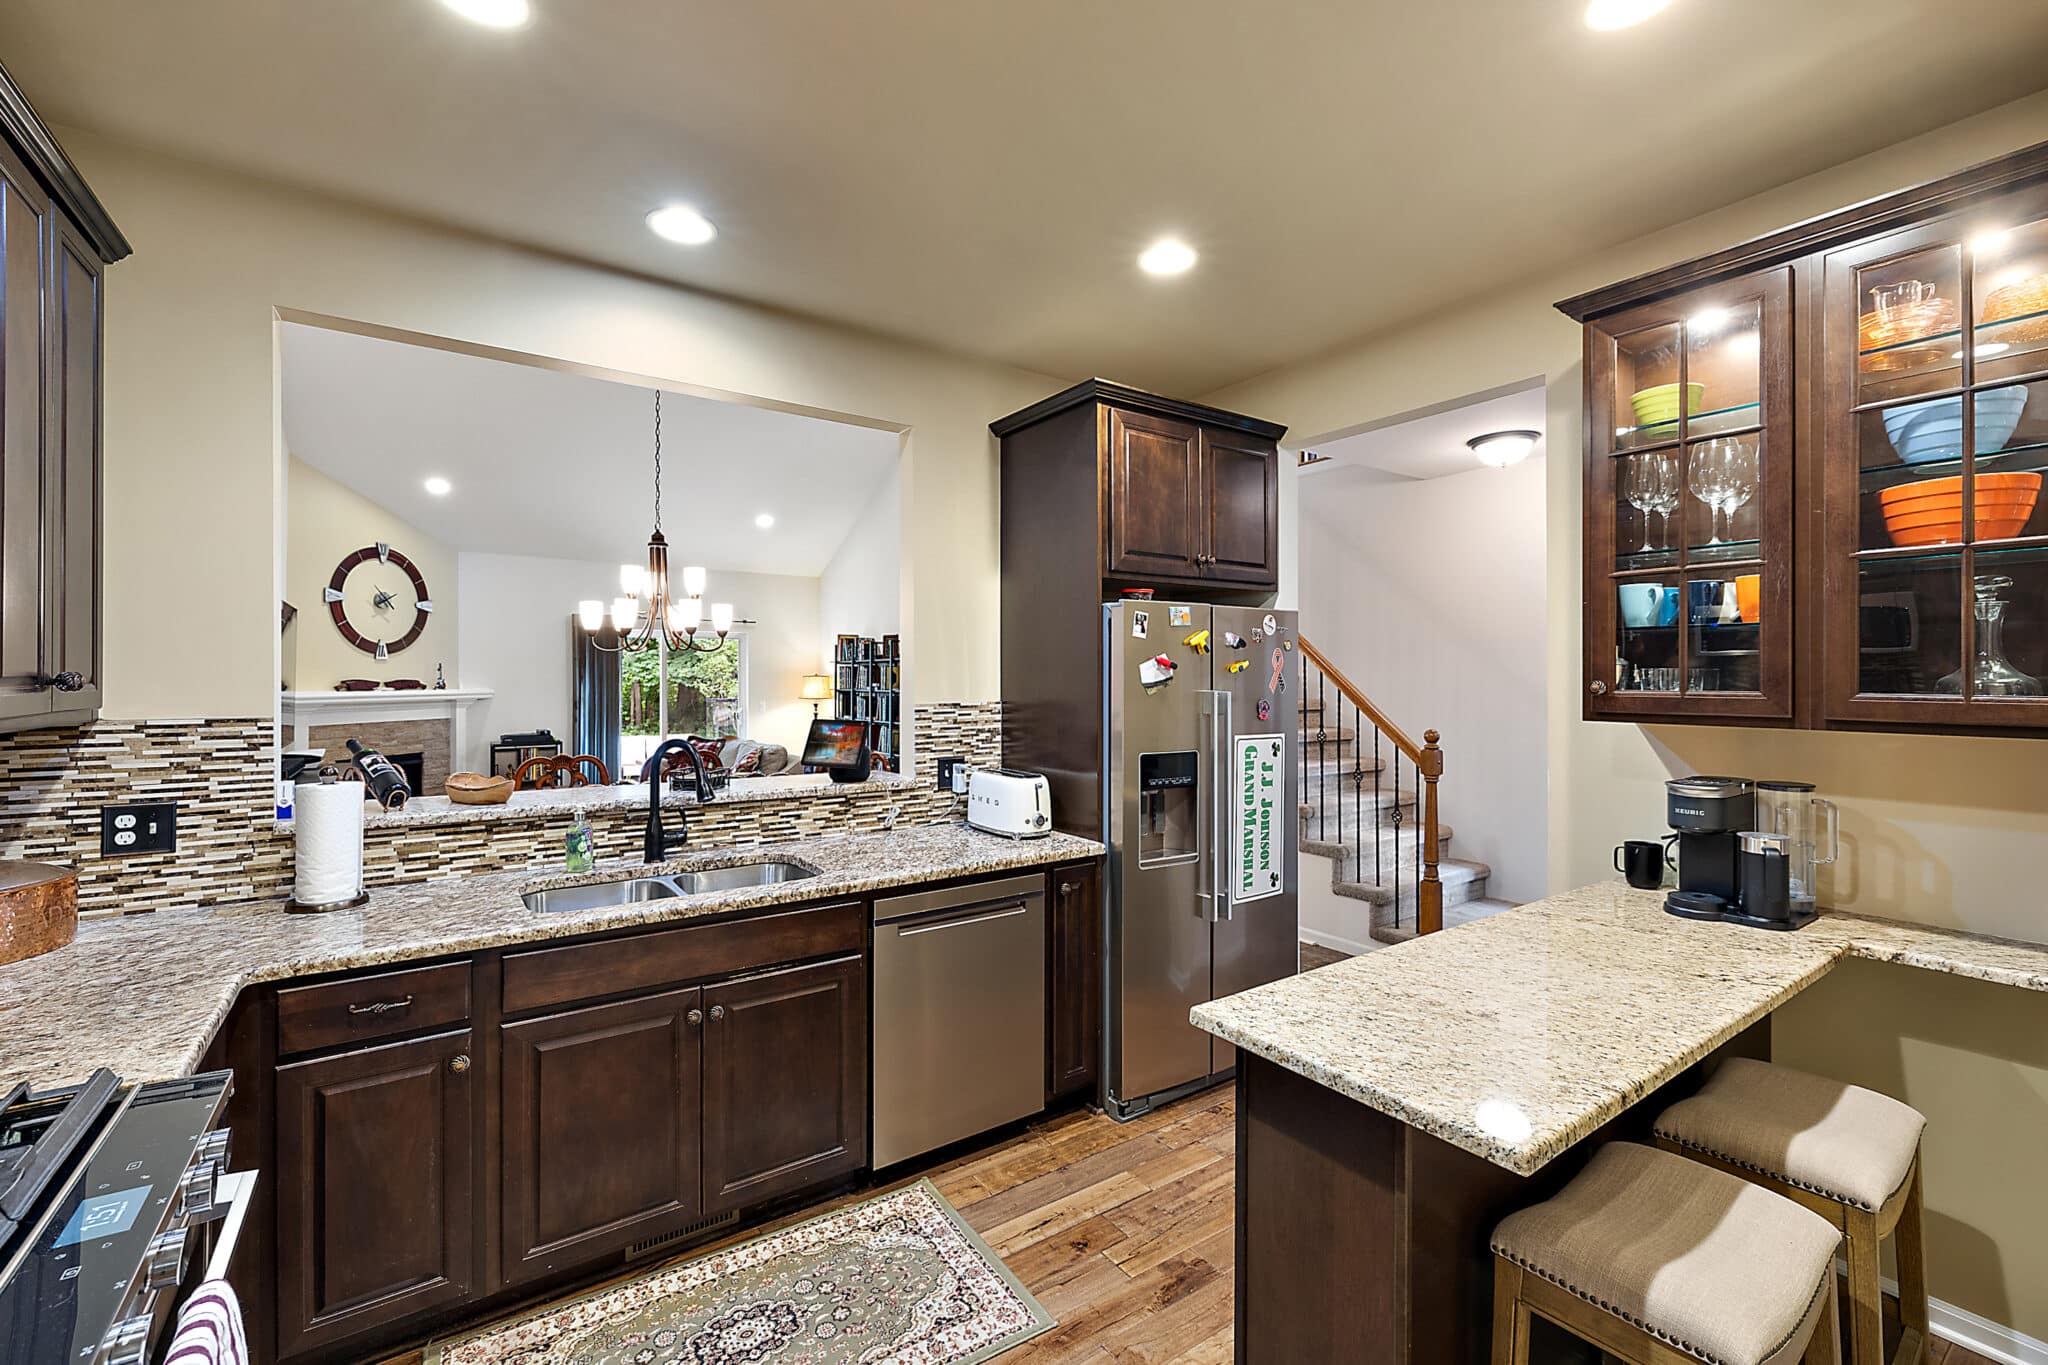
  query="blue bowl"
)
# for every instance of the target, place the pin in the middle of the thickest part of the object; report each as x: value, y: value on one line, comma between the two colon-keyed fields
x: 1925, y: 432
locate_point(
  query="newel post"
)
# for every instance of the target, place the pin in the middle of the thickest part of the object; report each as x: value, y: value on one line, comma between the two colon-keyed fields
x: 1429, y: 911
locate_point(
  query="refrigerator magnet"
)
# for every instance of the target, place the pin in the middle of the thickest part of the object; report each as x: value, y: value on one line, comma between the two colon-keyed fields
x: 1180, y: 616
x: 1265, y: 710
x: 1198, y: 642
x: 1272, y: 626
x: 1155, y: 670
x: 1141, y: 624
x: 1234, y: 640
x: 1240, y: 666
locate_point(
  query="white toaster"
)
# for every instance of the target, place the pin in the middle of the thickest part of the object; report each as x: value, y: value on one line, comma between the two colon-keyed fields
x: 1004, y: 801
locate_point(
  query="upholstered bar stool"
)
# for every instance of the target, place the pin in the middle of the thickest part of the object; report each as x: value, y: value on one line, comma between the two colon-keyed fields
x: 1658, y: 1260
x: 1849, y: 1154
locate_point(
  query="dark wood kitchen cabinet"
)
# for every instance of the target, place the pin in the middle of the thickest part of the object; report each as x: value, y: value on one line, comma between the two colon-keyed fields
x: 785, y: 1082
x: 55, y: 240
x: 375, y: 1188
x: 1876, y: 381
x: 602, y: 1108
x: 1074, y: 982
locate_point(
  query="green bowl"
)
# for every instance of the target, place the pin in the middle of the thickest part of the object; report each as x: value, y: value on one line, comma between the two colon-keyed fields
x: 1659, y: 404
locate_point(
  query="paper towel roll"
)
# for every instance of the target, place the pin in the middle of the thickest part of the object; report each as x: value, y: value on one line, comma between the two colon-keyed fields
x: 327, y: 826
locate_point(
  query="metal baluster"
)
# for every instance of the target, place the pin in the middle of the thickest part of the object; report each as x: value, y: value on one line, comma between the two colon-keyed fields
x: 1396, y: 840
x: 1340, y: 781
x: 1375, y: 801
x: 1358, y: 797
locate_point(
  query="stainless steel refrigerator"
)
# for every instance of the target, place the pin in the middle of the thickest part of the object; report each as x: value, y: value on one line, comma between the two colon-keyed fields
x: 1201, y: 730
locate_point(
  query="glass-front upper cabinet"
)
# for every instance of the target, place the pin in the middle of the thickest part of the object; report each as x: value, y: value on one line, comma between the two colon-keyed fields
x: 1936, y: 445
x: 1689, y: 503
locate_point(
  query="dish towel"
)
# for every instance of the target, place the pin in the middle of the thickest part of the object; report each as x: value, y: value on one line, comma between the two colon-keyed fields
x: 210, y: 1328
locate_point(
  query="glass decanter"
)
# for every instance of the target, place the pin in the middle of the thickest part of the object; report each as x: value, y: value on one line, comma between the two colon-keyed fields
x: 1994, y: 673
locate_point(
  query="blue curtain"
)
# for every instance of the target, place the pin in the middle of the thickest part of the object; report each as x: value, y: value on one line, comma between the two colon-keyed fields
x: 595, y: 723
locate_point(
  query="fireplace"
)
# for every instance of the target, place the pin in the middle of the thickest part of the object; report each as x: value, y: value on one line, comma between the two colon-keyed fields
x: 414, y: 766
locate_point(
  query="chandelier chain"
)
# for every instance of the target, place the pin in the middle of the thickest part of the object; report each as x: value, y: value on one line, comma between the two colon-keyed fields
x: 657, y: 459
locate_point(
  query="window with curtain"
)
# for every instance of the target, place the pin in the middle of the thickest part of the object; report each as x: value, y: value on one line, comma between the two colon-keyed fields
x: 666, y: 694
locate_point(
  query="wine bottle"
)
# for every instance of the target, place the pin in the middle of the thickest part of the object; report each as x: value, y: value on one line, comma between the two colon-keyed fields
x: 386, y: 783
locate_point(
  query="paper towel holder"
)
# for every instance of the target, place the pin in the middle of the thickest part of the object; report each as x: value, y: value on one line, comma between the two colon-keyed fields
x: 295, y: 906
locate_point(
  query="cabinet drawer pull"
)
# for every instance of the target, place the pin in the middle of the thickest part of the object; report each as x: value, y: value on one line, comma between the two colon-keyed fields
x: 67, y: 681
x: 718, y: 1012
x: 696, y: 1016
x: 381, y: 1006
x: 459, y: 1063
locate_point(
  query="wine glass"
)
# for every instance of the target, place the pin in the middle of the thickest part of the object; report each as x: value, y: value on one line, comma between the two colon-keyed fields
x: 1670, y: 487
x: 1739, y: 466
x: 1708, y: 477
x: 1643, y: 490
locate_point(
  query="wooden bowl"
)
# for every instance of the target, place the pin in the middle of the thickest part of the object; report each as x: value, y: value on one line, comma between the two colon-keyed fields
x: 475, y: 789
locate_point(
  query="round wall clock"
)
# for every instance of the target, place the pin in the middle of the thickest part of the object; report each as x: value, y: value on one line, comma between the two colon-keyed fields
x: 379, y: 600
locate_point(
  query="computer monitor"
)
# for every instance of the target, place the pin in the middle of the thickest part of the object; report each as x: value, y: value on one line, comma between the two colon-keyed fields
x: 840, y: 747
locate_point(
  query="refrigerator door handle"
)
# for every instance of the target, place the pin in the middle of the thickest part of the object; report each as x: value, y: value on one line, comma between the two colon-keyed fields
x: 1220, y: 803
x: 1208, y: 834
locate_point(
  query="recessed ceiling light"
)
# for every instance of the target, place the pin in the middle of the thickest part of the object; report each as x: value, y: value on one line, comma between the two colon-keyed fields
x: 438, y: 486
x: 681, y: 223
x: 1503, y: 448
x: 493, y: 13
x: 1167, y: 256
x: 1613, y: 14
x: 765, y: 520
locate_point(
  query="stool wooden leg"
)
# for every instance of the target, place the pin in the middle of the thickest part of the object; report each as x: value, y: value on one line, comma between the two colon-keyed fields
x: 1911, y: 1248
x: 1866, y: 1290
x: 1825, y: 1347
x: 1511, y: 1326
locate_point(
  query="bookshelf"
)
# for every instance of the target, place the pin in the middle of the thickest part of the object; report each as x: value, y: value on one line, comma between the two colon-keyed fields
x: 867, y: 684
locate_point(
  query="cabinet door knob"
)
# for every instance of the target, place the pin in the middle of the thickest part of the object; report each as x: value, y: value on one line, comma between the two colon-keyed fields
x: 67, y: 681
x: 696, y: 1016
x: 718, y: 1012
x: 459, y: 1063
x: 1066, y: 888
x: 1596, y: 687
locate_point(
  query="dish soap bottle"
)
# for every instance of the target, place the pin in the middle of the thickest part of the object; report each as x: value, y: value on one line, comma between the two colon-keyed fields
x: 576, y: 845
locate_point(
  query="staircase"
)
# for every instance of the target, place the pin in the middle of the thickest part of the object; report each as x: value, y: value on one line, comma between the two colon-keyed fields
x: 1368, y: 801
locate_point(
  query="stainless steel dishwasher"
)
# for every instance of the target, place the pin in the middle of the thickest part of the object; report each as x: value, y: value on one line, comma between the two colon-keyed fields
x: 959, y: 1007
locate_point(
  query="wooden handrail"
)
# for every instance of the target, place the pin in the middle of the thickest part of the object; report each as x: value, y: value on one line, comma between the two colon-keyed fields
x: 1428, y: 758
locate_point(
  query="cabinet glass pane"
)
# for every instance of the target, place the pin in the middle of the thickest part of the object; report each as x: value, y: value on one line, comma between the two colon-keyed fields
x: 1646, y: 387
x: 1649, y: 489
x: 1724, y: 616
x: 1725, y: 361
x: 1648, y: 613
x: 1909, y: 471
x: 2010, y: 604
x: 2012, y: 452
x: 1724, y: 503
x: 1909, y: 623
x: 2010, y: 287
x: 1908, y: 334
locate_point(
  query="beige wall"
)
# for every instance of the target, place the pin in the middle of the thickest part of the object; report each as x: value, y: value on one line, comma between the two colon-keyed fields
x: 192, y: 474
x: 1941, y: 830
x: 326, y: 522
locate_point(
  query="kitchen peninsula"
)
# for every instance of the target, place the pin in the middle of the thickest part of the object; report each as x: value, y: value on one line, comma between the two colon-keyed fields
x: 1393, y: 1107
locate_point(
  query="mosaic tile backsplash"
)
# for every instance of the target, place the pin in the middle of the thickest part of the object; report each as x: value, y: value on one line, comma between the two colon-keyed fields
x: 54, y: 782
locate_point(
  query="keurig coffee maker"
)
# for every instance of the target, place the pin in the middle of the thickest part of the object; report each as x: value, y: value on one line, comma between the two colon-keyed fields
x: 1709, y: 814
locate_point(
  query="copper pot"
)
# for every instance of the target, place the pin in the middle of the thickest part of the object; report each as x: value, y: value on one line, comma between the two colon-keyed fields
x: 38, y: 909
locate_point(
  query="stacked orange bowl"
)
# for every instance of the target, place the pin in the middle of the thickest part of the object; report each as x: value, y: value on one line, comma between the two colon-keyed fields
x: 1930, y: 512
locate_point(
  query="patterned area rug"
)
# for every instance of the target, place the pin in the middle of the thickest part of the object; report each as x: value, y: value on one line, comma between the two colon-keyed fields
x: 899, y: 1279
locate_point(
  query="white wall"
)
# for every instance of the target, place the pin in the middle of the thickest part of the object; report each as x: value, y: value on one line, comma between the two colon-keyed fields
x: 1430, y: 595
x: 516, y: 642
x: 192, y: 436
x: 327, y: 522
x: 858, y: 591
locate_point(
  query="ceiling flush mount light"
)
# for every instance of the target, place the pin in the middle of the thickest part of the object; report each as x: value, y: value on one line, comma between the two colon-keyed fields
x: 437, y: 485
x: 1503, y: 448
x: 493, y: 13
x: 648, y: 616
x: 1607, y: 15
x: 765, y: 520
x: 681, y: 223
x: 1167, y: 256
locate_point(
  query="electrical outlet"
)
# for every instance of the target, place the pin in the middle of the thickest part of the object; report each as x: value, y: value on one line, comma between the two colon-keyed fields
x: 953, y: 774
x: 126, y: 830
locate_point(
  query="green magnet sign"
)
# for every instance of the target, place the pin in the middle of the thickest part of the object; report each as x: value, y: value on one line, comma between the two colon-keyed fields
x: 1256, y: 822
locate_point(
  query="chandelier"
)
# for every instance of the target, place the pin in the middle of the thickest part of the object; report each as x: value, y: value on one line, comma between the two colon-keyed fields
x: 646, y: 615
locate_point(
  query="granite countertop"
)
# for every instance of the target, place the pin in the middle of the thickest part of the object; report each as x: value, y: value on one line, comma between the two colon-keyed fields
x: 1516, y: 1036
x: 145, y: 994
x: 545, y: 805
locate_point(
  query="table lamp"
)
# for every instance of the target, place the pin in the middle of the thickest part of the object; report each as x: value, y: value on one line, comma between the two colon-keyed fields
x: 817, y: 688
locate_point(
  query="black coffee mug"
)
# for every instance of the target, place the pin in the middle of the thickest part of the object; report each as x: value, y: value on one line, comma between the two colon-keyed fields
x: 1642, y: 862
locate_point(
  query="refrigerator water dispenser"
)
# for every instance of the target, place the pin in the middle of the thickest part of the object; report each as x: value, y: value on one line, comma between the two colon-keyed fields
x: 1168, y: 790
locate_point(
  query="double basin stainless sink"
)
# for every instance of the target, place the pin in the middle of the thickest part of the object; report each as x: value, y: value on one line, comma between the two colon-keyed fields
x: 637, y: 890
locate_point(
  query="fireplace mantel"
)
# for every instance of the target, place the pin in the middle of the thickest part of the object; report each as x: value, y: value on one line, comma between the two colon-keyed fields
x: 299, y: 712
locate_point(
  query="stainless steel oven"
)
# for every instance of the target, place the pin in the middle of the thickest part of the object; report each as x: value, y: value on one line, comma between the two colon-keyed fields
x: 959, y: 1013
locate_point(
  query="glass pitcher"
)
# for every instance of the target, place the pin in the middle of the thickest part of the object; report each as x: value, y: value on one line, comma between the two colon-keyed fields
x: 1808, y: 824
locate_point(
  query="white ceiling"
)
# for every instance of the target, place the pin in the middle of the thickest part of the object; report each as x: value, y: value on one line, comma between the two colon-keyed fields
x: 1428, y: 446
x: 980, y: 175
x: 561, y: 465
